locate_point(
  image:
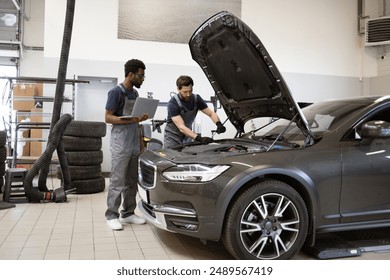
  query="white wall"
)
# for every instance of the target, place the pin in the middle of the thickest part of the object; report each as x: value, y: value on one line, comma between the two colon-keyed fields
x: 313, y: 37
x: 303, y: 36
x: 315, y: 44
x: 309, y: 36
x: 33, y: 29
x: 95, y: 36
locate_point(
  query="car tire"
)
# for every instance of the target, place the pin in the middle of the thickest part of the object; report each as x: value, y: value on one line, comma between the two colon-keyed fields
x: 84, y: 157
x: 89, y: 186
x: 73, y: 143
x: 86, y: 129
x: 268, y: 221
x: 83, y: 172
x: 3, y: 138
x: 2, y: 168
x: 3, y: 157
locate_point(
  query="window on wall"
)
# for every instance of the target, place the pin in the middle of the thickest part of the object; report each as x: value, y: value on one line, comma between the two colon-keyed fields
x: 5, y: 83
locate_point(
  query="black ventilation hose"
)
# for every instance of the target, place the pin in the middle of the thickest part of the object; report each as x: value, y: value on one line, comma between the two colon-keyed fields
x: 38, y: 195
x: 54, y: 139
x: 61, y: 78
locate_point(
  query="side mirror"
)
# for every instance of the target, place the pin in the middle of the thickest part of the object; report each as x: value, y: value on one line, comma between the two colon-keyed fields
x: 376, y: 129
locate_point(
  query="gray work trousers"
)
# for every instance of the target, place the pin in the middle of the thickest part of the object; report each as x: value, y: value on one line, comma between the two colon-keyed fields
x: 125, y: 150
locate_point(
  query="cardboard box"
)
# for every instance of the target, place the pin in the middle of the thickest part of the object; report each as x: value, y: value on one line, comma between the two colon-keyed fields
x: 23, y: 100
x: 39, y: 89
x: 36, y: 146
x: 22, y: 118
x: 37, y: 116
x: 35, y: 149
x: 23, y: 95
x: 26, y: 147
x: 23, y: 105
x: 24, y: 90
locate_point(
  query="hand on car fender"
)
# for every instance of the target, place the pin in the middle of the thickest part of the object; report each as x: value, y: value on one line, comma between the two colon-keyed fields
x: 204, y: 140
x: 220, y: 127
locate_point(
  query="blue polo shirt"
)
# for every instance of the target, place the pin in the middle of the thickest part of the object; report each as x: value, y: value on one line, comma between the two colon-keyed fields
x: 116, y: 99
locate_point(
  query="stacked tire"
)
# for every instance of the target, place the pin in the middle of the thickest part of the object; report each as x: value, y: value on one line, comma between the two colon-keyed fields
x: 3, y: 156
x: 83, y: 147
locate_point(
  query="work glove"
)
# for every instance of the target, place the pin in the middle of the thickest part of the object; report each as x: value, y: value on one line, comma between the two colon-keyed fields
x: 220, y: 127
x: 204, y: 140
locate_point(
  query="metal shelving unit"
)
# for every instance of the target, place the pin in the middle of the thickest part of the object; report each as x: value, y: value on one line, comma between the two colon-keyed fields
x: 14, y: 125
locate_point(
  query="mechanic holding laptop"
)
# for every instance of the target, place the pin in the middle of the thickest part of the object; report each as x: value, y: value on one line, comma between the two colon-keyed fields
x: 124, y: 147
x: 182, y: 110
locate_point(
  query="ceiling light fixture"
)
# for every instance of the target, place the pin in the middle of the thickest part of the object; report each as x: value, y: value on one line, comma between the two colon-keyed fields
x: 9, y: 19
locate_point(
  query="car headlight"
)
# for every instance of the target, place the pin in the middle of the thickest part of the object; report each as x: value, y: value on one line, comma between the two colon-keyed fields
x: 194, y: 172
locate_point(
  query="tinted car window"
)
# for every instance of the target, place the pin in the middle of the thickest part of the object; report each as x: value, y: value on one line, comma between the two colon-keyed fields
x: 325, y: 116
x: 321, y: 117
x: 382, y: 114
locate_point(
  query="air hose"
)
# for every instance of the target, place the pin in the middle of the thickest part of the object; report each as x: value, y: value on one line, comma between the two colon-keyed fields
x: 57, y: 129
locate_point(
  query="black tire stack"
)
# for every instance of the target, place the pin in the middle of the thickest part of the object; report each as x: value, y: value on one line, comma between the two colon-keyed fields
x: 82, y: 144
x: 3, y: 156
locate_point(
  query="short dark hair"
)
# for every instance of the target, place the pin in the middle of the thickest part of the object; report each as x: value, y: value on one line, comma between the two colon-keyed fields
x: 133, y: 65
x: 184, y: 81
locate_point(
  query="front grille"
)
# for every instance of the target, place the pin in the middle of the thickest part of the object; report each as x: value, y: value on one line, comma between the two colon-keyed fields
x: 146, y: 174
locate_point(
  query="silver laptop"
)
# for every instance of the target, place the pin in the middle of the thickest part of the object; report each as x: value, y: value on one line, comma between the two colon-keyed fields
x: 143, y: 105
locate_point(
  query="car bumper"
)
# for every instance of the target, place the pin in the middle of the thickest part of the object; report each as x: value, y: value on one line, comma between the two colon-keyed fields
x: 169, y: 218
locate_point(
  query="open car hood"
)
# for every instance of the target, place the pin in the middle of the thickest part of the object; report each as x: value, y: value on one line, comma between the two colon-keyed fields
x: 243, y: 75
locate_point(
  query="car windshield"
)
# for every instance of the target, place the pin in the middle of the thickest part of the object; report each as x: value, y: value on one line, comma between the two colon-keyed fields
x: 322, y: 117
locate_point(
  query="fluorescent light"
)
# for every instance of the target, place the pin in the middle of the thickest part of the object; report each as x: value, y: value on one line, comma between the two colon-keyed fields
x: 9, y: 53
x: 9, y: 19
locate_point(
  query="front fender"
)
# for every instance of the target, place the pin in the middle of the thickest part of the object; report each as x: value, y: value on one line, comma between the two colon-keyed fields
x: 242, y: 180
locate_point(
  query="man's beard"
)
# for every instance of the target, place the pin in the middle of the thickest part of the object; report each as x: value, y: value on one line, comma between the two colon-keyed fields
x: 136, y: 84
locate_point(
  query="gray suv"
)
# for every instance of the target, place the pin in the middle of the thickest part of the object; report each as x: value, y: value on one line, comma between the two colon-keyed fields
x: 288, y: 174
